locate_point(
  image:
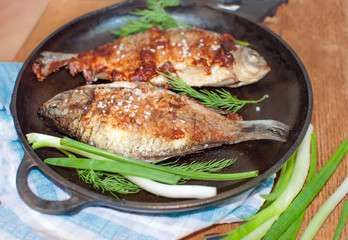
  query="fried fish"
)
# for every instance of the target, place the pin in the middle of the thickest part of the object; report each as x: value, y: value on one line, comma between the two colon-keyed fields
x: 199, y: 57
x: 148, y: 123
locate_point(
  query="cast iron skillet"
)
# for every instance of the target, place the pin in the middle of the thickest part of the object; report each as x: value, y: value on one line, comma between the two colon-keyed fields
x: 287, y: 84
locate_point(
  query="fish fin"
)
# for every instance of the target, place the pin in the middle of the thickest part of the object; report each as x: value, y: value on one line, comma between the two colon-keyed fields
x: 263, y: 129
x: 56, y: 56
x: 50, y: 62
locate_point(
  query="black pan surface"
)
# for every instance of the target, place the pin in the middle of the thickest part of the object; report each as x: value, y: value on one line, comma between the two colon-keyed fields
x: 288, y: 86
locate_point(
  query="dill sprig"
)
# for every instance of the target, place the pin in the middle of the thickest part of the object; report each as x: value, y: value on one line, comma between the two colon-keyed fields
x: 107, y: 182
x: 154, y: 15
x: 206, y: 166
x: 116, y: 183
x: 210, y: 166
x: 218, y: 99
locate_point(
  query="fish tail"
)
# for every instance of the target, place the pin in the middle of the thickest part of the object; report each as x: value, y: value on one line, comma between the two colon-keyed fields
x: 263, y: 129
x: 50, y: 62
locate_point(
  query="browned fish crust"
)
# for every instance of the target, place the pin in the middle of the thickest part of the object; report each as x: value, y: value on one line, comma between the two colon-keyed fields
x: 159, y: 114
x: 142, y: 121
x: 138, y: 57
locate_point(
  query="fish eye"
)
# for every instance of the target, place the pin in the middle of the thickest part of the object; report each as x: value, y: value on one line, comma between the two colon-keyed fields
x: 53, y: 105
x: 253, y: 57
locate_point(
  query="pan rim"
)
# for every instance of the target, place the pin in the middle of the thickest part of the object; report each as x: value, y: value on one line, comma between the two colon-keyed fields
x: 155, y: 207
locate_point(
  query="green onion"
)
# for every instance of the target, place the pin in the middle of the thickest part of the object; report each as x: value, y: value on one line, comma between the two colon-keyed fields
x: 246, y: 44
x: 313, y: 166
x: 261, y: 230
x: 136, y: 171
x: 282, y: 182
x: 341, y: 221
x: 110, y: 166
x: 174, y: 191
x: 299, y: 205
x: 324, y: 211
x: 262, y: 221
x: 292, y: 231
x: 291, y: 208
x: 183, y: 173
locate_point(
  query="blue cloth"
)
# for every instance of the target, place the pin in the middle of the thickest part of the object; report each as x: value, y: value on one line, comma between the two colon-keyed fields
x: 19, y: 221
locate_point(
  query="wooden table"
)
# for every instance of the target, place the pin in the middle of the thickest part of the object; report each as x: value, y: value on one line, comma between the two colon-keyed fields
x: 318, y: 32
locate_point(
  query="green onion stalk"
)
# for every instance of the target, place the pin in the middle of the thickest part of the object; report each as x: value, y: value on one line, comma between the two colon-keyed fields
x: 161, y: 180
x: 257, y: 225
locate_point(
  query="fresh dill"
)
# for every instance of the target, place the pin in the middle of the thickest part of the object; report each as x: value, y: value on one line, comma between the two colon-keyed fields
x: 153, y: 178
x: 206, y: 166
x: 154, y: 15
x: 218, y: 99
x: 107, y: 182
x: 210, y: 166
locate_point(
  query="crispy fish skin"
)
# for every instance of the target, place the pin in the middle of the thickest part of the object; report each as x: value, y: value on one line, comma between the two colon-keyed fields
x: 148, y: 123
x: 199, y: 57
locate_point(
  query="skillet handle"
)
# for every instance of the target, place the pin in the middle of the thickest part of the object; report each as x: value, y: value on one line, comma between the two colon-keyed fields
x: 70, y: 206
x: 255, y: 10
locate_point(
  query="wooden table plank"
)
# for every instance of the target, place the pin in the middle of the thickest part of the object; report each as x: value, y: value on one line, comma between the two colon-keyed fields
x: 58, y: 13
x: 318, y: 32
x: 15, y: 27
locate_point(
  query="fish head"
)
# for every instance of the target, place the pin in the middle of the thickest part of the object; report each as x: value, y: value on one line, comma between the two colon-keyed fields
x: 249, y: 66
x: 64, y: 110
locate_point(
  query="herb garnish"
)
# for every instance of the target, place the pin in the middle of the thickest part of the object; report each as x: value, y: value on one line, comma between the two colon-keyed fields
x: 116, y: 183
x: 221, y: 98
x: 157, y: 179
x: 108, y: 182
x: 155, y: 15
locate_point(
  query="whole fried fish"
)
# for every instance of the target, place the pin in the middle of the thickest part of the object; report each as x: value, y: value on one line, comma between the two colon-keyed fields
x: 199, y: 57
x: 148, y: 123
